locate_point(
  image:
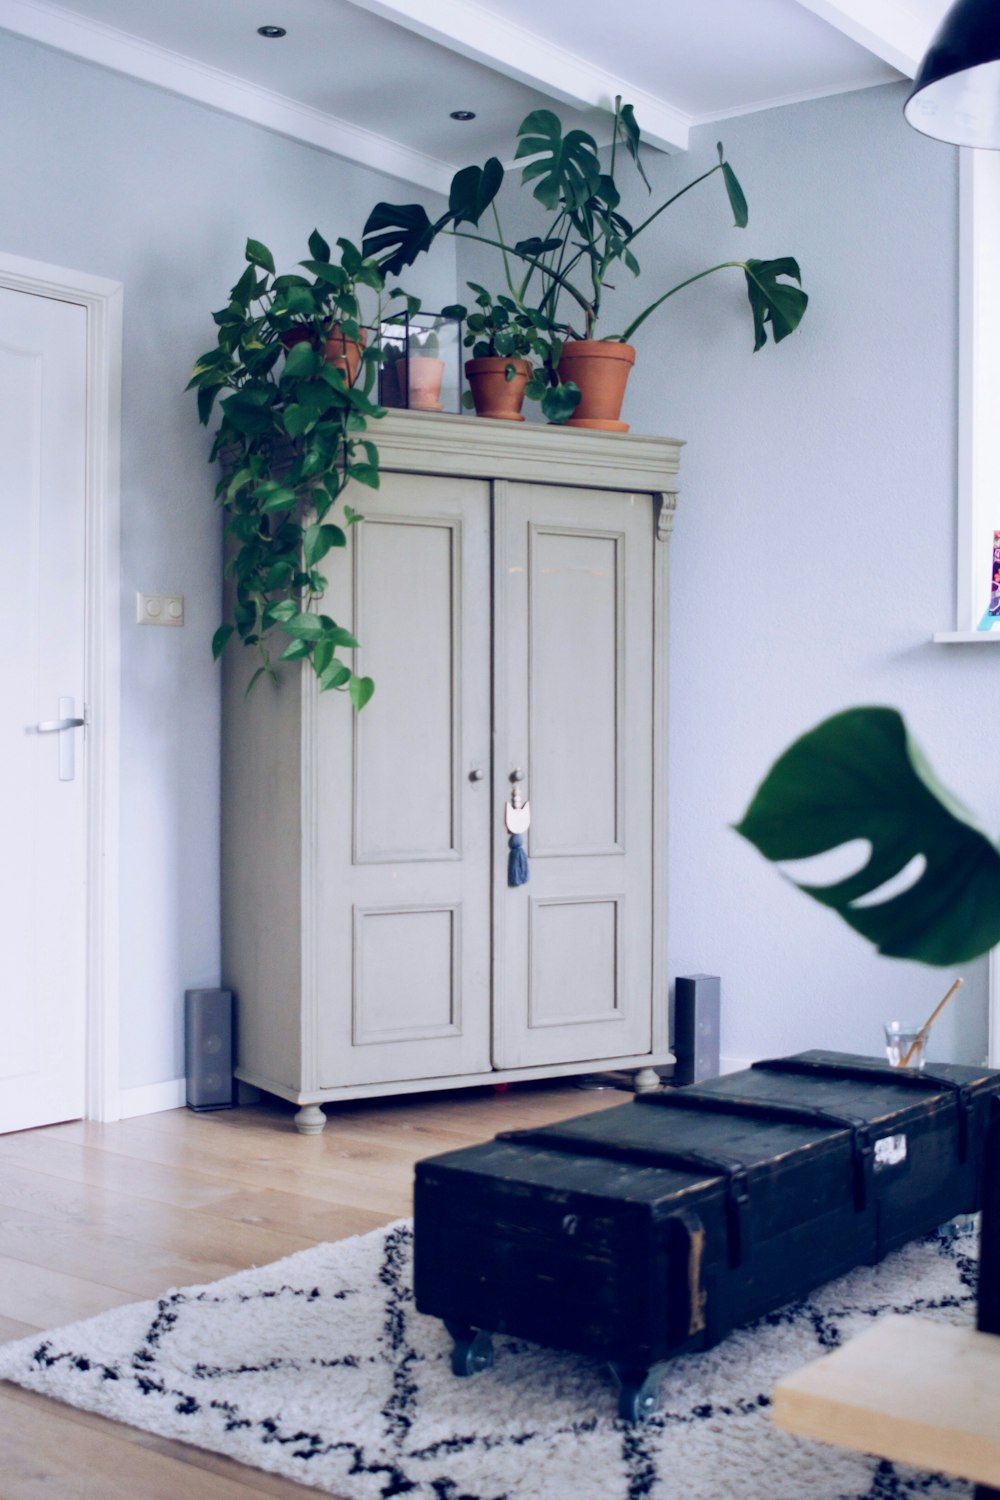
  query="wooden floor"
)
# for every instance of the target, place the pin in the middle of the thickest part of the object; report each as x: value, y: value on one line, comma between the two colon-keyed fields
x: 93, y: 1216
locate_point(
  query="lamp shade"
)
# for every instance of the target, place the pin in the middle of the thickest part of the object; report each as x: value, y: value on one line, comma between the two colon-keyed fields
x: 956, y: 93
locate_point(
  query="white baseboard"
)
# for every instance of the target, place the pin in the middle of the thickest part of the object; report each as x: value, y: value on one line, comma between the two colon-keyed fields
x: 151, y: 1098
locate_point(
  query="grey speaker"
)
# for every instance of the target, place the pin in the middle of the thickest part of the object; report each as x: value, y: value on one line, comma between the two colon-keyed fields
x: 208, y: 1048
x: 696, y: 1027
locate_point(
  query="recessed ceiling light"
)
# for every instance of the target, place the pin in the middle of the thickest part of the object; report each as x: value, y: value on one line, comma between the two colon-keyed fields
x: 271, y: 32
x: 463, y: 114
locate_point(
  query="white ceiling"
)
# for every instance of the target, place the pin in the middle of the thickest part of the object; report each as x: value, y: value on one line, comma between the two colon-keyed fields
x: 374, y: 80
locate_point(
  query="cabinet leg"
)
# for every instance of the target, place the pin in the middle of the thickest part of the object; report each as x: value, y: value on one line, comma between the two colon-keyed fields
x: 645, y: 1080
x: 309, y: 1120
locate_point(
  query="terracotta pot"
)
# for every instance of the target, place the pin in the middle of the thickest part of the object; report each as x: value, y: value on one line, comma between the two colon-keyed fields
x: 420, y: 380
x: 297, y: 335
x: 496, y: 396
x: 344, y: 353
x: 601, y: 369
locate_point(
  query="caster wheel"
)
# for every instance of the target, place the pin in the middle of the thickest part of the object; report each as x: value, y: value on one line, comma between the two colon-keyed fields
x: 473, y: 1354
x: 636, y: 1394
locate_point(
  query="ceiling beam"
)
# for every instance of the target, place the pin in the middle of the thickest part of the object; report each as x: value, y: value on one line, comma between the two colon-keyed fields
x: 486, y: 37
x: 68, y: 31
x: 898, y: 31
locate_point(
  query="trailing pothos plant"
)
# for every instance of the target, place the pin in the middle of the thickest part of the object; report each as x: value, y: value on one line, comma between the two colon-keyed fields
x: 927, y: 882
x: 291, y: 438
x: 557, y: 278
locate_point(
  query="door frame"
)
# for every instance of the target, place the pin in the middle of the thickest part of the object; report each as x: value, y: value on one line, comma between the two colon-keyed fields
x: 102, y: 302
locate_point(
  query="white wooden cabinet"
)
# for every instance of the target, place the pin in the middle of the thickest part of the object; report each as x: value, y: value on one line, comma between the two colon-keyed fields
x: 509, y: 589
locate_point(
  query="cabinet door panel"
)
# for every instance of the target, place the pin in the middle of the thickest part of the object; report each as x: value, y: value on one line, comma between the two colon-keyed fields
x: 409, y: 620
x: 573, y: 663
x: 575, y: 602
x: 401, y: 920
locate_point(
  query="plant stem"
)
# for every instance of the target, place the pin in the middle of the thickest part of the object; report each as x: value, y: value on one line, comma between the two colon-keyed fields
x: 480, y: 239
x: 656, y: 212
x: 637, y: 322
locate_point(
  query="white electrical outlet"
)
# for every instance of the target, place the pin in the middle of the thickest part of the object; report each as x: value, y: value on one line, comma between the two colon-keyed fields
x: 160, y: 609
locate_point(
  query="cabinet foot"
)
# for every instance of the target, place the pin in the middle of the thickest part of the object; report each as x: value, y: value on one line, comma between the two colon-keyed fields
x: 309, y: 1120
x: 645, y: 1080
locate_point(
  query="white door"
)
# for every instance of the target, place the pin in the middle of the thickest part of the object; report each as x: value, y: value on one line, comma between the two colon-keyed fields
x: 43, y: 847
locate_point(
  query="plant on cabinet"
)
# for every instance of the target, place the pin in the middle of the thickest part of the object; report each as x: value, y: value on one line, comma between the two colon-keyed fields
x: 295, y: 383
x: 501, y: 338
x: 558, y: 276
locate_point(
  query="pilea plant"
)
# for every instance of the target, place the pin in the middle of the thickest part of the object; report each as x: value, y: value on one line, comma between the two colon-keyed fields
x: 295, y: 384
x: 557, y: 277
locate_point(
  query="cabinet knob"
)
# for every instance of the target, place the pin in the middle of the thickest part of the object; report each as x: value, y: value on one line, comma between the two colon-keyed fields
x: 476, y: 774
x: 517, y: 774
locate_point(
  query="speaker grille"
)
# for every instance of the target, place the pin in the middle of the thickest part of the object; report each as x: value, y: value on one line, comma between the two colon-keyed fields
x: 208, y: 1048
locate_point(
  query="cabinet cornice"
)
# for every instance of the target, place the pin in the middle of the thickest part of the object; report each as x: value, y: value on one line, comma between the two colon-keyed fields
x: 436, y: 443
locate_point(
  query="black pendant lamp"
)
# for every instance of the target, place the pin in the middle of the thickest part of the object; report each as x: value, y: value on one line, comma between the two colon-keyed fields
x: 956, y: 93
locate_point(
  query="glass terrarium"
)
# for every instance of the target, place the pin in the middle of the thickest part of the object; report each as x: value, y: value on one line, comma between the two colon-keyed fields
x: 421, y: 362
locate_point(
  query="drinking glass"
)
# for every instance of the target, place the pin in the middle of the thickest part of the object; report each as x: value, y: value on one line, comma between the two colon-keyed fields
x: 900, y: 1036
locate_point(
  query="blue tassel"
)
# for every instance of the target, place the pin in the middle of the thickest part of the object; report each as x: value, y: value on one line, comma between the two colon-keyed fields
x: 517, y: 861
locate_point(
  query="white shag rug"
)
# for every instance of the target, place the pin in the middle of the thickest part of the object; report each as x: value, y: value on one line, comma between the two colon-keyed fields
x: 319, y: 1368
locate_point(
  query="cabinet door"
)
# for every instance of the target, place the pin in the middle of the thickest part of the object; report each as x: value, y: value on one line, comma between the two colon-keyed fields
x: 573, y: 661
x: 402, y: 867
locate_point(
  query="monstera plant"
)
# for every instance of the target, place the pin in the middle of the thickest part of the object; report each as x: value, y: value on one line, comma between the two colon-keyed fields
x: 557, y: 277
x: 861, y: 776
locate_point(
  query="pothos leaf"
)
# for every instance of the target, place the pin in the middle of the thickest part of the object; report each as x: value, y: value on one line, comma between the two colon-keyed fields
x: 360, y: 689
x: 259, y: 255
x: 860, y: 775
x: 219, y: 640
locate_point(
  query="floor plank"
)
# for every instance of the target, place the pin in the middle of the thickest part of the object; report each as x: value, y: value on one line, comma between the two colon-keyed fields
x: 92, y: 1216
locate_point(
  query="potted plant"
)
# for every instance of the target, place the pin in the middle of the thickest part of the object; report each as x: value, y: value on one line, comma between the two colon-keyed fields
x: 501, y: 337
x: 558, y: 277
x: 421, y: 372
x: 295, y: 385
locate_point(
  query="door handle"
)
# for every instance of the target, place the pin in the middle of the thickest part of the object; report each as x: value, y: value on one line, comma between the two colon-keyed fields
x: 66, y: 721
x: 55, y: 726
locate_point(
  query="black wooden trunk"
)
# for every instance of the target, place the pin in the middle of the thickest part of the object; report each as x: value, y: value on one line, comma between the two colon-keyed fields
x: 656, y: 1227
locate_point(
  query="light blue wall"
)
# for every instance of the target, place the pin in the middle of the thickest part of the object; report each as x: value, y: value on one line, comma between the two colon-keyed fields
x: 105, y: 175
x: 814, y: 547
x: 813, y: 552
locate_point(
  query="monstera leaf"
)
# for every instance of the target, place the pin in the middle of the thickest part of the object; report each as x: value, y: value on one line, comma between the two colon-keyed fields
x: 774, y: 301
x: 859, y: 775
x: 567, y: 167
x: 473, y: 190
x: 396, y: 233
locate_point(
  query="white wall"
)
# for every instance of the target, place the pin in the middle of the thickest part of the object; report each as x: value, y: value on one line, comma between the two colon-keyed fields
x: 105, y: 175
x: 814, y: 547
